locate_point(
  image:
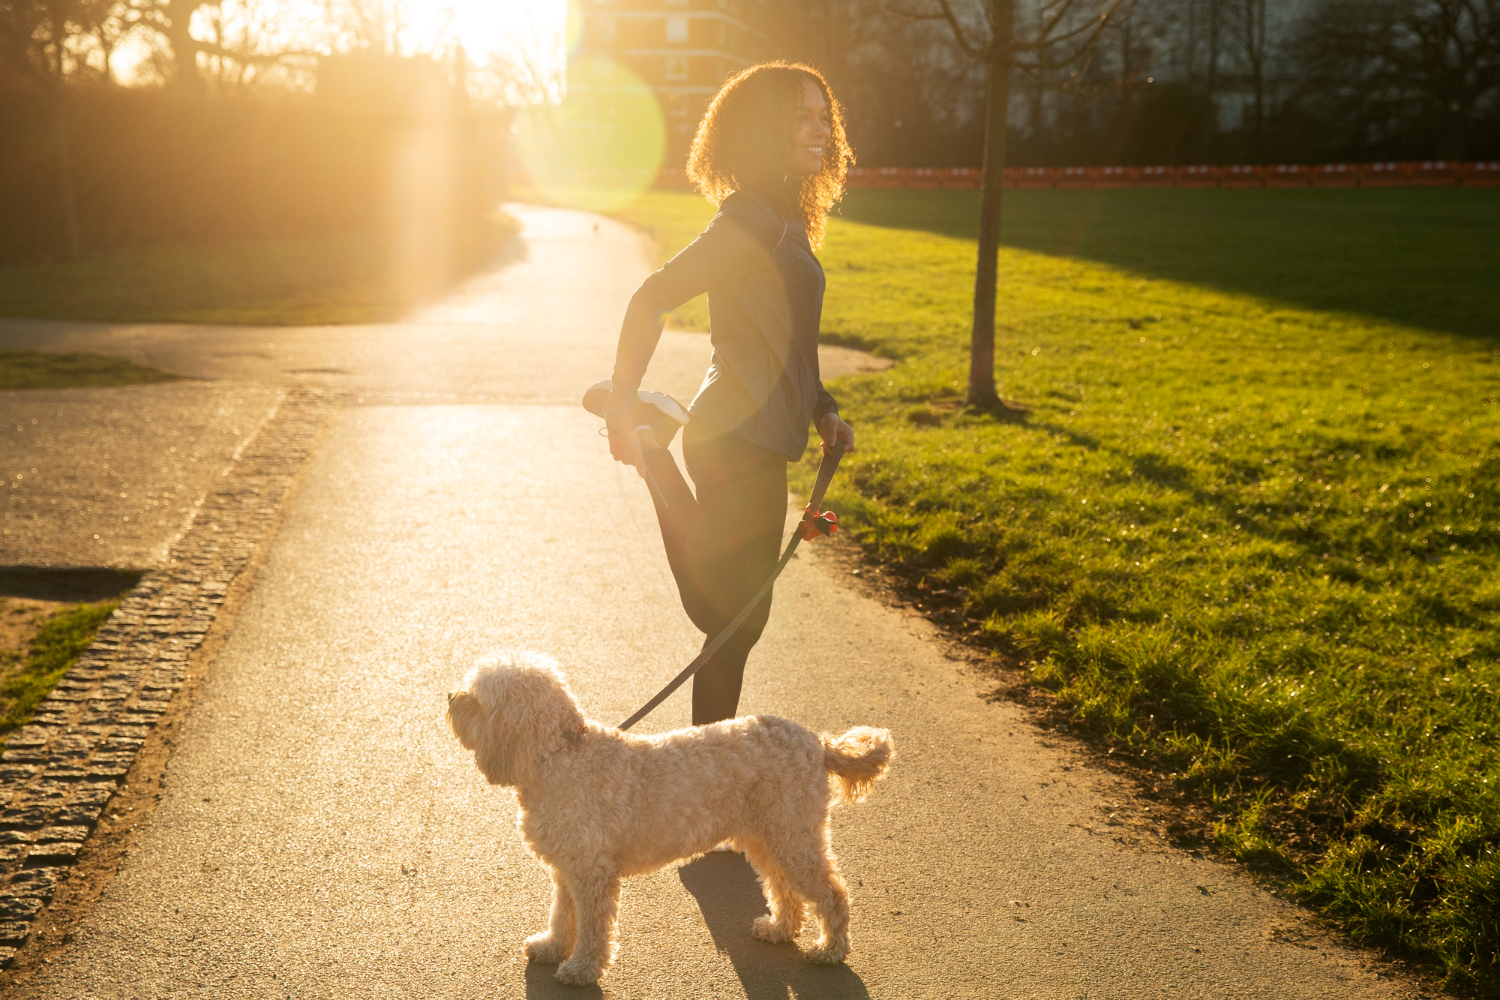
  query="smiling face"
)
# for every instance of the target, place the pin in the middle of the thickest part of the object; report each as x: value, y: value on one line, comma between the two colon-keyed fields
x: 811, y: 132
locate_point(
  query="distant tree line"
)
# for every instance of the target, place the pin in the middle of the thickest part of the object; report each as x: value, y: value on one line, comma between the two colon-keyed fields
x: 1171, y: 81
x: 246, y: 126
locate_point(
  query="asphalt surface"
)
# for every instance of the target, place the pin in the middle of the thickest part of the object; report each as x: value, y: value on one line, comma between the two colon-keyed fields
x: 109, y: 477
x: 322, y: 835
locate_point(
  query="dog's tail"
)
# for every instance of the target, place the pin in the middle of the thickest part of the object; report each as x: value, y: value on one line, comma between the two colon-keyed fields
x: 857, y: 759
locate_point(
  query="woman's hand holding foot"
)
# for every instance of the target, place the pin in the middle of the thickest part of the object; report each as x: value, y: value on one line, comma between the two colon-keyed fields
x: 620, y: 418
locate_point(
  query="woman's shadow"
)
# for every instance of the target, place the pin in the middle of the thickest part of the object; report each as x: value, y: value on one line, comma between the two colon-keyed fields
x: 730, y: 898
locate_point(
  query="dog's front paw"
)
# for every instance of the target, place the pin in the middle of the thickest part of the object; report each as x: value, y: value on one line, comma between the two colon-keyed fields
x: 546, y: 948
x: 767, y: 929
x: 827, y: 952
x: 576, y: 973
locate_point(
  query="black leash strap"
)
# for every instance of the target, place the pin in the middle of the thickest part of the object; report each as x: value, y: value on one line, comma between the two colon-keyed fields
x: 812, y: 514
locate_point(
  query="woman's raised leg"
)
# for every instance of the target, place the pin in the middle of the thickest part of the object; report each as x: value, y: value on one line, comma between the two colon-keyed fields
x: 677, y: 515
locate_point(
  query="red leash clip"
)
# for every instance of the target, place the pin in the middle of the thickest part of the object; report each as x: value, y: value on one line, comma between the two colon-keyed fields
x: 814, y: 525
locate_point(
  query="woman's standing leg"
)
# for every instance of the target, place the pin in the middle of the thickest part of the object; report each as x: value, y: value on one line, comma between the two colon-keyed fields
x: 733, y: 547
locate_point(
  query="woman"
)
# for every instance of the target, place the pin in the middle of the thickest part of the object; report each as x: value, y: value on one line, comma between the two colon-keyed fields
x: 771, y: 153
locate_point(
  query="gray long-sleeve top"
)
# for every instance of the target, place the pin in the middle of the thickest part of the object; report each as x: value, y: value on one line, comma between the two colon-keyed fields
x: 765, y: 300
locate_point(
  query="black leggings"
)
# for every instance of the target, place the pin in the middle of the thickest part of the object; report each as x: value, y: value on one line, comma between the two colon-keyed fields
x: 721, y: 545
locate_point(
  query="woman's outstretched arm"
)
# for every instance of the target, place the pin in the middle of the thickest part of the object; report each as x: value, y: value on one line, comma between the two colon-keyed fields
x: 739, y: 237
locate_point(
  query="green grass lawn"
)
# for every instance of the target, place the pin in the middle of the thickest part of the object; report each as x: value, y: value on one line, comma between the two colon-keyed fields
x: 1249, y: 530
x: 307, y: 281
x: 40, y: 370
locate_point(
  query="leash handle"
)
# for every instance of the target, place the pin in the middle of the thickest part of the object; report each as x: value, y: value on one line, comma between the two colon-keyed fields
x: 826, y: 469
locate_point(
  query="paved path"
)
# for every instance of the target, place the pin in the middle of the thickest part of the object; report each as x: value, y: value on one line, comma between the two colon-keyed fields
x: 320, y: 834
x: 108, y: 477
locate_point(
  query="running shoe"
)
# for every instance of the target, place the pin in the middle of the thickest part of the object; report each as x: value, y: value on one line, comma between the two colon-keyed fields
x: 663, y: 414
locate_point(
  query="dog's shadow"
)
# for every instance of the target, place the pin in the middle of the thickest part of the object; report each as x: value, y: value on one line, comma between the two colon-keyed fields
x: 730, y: 898
x: 542, y: 984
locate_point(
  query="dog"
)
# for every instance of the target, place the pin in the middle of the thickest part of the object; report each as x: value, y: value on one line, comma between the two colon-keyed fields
x: 598, y: 805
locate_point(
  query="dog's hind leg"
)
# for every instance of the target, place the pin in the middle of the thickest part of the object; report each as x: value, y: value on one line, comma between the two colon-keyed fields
x: 555, y: 944
x: 596, y: 903
x: 787, y: 908
x: 810, y: 868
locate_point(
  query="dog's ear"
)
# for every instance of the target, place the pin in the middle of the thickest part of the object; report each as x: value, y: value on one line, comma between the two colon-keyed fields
x: 565, y: 719
x: 466, y: 717
x: 538, y: 719
x: 514, y: 718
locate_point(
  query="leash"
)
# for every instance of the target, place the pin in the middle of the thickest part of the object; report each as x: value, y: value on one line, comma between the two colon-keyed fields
x: 815, y: 522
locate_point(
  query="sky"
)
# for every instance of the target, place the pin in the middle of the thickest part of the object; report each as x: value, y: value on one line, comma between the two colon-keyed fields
x: 486, y: 29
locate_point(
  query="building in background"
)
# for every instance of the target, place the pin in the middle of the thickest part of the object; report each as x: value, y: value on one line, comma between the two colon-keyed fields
x: 683, y: 50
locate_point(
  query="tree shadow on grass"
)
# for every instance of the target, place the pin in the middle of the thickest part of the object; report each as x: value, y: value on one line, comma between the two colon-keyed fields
x: 1019, y: 415
x: 1425, y: 257
x: 1162, y: 471
x: 730, y: 898
x: 1002, y: 412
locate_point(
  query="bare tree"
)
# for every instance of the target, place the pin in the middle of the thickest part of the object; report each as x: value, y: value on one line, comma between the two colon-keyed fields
x: 1404, y: 75
x: 374, y: 26
x: 171, y: 22
x: 106, y: 26
x: 1248, y: 25
x: 1050, y: 34
x: 39, y: 38
x: 1203, y: 32
x: 1215, y: 39
x: 239, y: 42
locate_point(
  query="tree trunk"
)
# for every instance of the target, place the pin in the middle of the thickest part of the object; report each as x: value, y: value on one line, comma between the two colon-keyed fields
x: 56, y: 89
x: 65, y: 173
x: 107, y: 47
x: 997, y: 113
x: 1255, y: 53
x: 1212, y: 84
x: 185, y: 71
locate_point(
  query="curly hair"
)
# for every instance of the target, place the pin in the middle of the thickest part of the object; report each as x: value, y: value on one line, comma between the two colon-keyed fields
x: 745, y: 141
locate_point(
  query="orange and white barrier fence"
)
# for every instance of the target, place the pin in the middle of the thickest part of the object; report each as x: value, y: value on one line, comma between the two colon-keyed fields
x: 1426, y: 173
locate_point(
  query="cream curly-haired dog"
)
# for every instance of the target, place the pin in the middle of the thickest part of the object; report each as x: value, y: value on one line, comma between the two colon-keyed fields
x: 598, y: 805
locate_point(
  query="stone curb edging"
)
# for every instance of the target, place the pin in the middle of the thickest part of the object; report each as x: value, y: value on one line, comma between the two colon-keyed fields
x: 60, y: 770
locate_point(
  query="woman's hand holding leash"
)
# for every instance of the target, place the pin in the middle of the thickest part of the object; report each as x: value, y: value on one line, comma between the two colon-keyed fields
x: 833, y: 430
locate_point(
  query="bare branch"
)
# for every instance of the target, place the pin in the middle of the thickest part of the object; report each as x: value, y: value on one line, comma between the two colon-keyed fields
x: 914, y: 15
x: 946, y: 14
x: 1091, y: 29
x: 1049, y: 24
x: 279, y: 58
